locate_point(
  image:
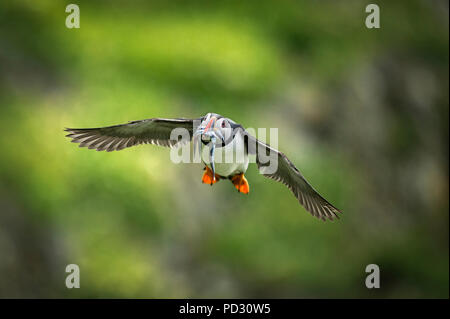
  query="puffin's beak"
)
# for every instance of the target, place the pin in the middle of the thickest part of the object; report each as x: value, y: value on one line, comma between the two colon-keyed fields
x: 210, y: 131
x: 210, y: 124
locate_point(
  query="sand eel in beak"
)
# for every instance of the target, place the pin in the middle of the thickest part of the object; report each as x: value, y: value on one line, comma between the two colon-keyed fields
x: 224, y: 147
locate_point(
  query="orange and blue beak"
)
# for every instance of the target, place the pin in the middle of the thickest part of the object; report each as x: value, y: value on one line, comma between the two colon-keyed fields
x: 210, y: 131
x: 210, y: 124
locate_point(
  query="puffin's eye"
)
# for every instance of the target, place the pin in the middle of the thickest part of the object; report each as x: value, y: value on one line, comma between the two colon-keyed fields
x: 223, y: 123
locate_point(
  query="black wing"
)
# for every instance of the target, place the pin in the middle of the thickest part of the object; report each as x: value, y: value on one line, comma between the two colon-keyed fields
x: 290, y: 176
x: 115, y: 138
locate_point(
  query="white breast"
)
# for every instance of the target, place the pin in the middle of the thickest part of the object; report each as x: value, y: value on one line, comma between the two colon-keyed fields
x: 229, y: 160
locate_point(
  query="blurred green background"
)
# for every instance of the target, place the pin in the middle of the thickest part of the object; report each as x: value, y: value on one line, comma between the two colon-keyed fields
x: 362, y: 113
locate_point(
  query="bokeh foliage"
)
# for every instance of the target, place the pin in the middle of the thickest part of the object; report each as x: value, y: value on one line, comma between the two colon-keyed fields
x: 362, y: 113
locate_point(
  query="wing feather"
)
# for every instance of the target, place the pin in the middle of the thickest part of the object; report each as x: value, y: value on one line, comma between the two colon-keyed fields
x: 290, y: 176
x: 115, y: 138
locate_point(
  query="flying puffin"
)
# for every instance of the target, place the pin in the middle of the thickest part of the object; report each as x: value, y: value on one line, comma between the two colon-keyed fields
x: 216, y: 137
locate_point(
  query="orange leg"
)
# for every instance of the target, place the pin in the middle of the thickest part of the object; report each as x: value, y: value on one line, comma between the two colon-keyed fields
x: 208, y: 177
x: 240, y: 182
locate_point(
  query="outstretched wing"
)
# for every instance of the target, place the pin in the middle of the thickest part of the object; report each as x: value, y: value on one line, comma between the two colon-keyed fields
x: 290, y: 176
x: 115, y: 138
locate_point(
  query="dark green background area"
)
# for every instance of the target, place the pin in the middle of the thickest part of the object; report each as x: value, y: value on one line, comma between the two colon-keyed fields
x: 363, y: 113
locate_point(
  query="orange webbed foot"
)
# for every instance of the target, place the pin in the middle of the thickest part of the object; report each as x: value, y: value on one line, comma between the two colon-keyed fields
x: 240, y: 182
x: 208, y: 177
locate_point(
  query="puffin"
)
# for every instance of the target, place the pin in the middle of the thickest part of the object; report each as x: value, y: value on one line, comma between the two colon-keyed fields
x: 214, y: 138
